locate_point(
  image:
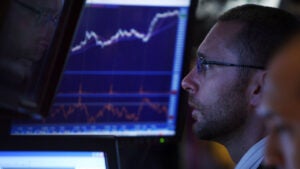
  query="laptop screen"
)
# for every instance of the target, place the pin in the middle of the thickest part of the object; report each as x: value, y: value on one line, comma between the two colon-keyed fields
x: 58, y: 152
x: 52, y: 160
x: 123, y: 73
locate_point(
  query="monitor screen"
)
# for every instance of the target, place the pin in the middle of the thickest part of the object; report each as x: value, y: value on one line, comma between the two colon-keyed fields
x: 123, y: 73
x: 63, y: 153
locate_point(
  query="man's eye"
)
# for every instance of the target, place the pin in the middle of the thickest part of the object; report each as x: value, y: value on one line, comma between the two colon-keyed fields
x: 201, y: 68
x: 205, y: 67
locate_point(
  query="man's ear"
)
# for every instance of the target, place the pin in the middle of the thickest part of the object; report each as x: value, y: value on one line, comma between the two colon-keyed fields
x: 255, y: 89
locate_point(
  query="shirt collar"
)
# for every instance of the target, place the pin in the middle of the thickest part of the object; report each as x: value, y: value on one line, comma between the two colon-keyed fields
x: 253, y: 157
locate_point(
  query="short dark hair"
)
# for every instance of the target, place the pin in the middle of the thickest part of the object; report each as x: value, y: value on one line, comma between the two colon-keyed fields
x: 265, y: 30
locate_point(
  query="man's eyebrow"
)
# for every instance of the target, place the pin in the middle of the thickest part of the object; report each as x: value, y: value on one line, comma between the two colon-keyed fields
x: 199, y: 54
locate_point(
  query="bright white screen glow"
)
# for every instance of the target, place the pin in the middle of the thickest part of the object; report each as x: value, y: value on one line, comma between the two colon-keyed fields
x: 61, y: 160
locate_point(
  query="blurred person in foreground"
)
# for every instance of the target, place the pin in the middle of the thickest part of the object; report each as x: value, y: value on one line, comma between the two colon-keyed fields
x: 225, y: 86
x: 27, y: 28
x: 281, y: 108
x: 26, y: 31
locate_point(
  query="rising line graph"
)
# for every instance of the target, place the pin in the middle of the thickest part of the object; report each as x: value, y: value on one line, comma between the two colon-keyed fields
x: 122, y: 34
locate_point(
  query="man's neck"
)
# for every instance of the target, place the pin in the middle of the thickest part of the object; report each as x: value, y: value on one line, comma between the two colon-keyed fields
x: 239, y: 142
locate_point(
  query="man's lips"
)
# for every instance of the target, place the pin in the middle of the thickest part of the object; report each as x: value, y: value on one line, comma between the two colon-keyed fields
x: 196, y: 114
x: 196, y: 110
x: 191, y: 104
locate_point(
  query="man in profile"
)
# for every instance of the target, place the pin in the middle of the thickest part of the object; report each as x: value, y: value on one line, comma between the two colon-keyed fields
x: 281, y: 108
x: 225, y: 86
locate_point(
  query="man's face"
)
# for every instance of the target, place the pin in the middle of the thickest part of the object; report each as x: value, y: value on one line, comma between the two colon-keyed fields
x: 216, y: 94
x: 281, y: 108
x: 27, y: 32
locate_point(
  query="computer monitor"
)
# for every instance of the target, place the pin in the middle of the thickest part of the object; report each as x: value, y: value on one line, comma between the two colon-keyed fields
x: 123, y: 73
x: 58, y: 152
x: 35, y: 37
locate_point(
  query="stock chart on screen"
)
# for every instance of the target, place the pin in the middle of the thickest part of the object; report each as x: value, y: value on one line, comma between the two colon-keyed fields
x: 123, y: 72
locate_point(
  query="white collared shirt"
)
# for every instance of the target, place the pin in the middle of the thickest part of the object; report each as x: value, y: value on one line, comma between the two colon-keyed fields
x: 253, y: 157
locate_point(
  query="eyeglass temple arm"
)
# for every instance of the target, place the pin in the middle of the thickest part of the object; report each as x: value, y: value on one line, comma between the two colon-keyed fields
x: 233, y: 65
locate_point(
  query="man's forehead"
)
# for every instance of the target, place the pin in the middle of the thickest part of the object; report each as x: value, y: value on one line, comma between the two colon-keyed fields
x: 219, y: 42
x: 224, y: 30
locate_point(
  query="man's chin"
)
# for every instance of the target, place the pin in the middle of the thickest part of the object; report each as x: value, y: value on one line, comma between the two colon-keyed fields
x: 198, y: 130
x: 202, y: 133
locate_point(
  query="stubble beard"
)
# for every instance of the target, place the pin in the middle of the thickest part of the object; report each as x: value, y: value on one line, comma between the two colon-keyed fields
x: 224, y: 117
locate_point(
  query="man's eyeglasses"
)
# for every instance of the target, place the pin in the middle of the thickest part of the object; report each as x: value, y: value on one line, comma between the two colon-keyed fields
x: 42, y: 16
x: 202, y: 63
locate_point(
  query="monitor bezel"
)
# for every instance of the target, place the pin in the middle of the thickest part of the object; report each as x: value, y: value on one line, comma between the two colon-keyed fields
x: 60, y: 49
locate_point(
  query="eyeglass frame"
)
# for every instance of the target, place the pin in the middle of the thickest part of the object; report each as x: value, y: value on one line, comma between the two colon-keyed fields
x: 202, y: 61
x: 43, y: 17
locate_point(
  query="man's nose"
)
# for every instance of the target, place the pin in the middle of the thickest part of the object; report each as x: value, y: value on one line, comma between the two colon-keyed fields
x: 188, y: 82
